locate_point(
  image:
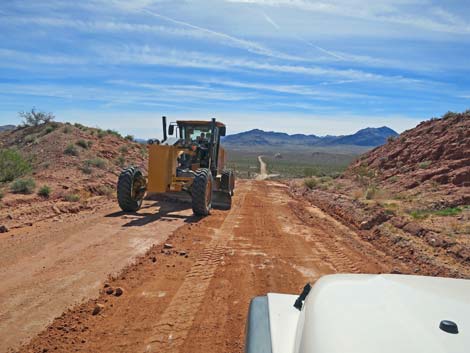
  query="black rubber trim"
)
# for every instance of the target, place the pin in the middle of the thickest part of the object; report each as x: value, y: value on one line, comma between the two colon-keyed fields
x: 258, y: 333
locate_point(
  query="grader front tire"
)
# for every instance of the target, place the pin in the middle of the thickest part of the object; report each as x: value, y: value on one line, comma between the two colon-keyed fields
x: 202, y: 192
x: 131, y: 189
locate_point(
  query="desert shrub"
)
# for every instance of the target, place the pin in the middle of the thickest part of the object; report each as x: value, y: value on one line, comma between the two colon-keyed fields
x: 2, y: 194
x: 23, y: 186
x: 121, y: 161
x: 113, y: 132
x: 370, y: 192
x: 72, y: 197
x: 143, y: 151
x: 67, y: 129
x: 123, y: 149
x: 129, y: 137
x: 71, y: 150
x: 449, y: 115
x: 86, y: 169
x: 450, y: 211
x: 82, y: 143
x: 80, y: 126
x: 311, y: 183
x: 29, y: 138
x: 393, y: 179
x: 44, y: 191
x: 101, y: 133
x: 424, y: 165
x: 89, y: 144
x: 105, y: 190
x: 391, y: 138
x: 49, y: 129
x: 12, y: 165
x: 36, y: 118
x: 96, y: 162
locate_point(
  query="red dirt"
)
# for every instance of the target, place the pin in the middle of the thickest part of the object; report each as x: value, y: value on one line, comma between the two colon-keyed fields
x: 63, y: 173
x: 194, y: 296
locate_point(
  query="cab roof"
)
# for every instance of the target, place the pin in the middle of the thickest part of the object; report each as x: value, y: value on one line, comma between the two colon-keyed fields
x: 199, y: 122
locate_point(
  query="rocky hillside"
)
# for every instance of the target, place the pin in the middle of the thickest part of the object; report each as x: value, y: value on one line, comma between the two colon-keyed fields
x: 437, y: 151
x: 368, y: 137
x: 54, y: 169
x: 413, y: 194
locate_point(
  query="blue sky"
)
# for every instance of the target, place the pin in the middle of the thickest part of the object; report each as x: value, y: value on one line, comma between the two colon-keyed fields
x: 321, y: 67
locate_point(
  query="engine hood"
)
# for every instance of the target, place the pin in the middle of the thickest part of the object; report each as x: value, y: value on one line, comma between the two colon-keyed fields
x: 383, y: 313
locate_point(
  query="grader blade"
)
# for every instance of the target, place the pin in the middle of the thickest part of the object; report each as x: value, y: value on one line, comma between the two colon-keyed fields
x: 221, y: 200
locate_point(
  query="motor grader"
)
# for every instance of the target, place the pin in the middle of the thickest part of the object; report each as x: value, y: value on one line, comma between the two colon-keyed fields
x: 188, y: 160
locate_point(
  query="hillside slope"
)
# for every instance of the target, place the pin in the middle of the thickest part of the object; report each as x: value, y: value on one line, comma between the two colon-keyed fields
x: 79, y: 166
x: 412, y: 193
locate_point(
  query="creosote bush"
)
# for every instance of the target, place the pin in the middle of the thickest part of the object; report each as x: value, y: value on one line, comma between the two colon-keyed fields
x: 96, y: 162
x: 23, y: 186
x: 12, y: 165
x: 82, y: 143
x: 72, y: 198
x: 71, y: 150
x: 44, y: 191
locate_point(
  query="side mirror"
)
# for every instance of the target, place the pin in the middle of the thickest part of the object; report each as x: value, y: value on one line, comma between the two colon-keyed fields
x: 171, y: 130
x: 222, y: 131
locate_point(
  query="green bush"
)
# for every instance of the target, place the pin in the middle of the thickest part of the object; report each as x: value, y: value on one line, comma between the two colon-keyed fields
x: 105, y: 190
x: 80, y: 126
x: 370, y: 192
x: 44, y: 191
x: 89, y: 144
x: 86, y: 169
x: 450, y: 211
x: 67, y: 129
x: 30, y: 138
x: 311, y: 183
x: 121, y: 161
x: 424, y: 165
x: 123, y: 149
x: 114, y: 133
x: 72, y: 198
x: 71, y: 150
x: 96, y: 162
x: 23, y: 186
x: 12, y: 165
x: 129, y: 137
x: 101, y: 133
x: 82, y: 143
x: 49, y: 129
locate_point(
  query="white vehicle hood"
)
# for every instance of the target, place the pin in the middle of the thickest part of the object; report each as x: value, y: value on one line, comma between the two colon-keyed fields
x: 373, y: 314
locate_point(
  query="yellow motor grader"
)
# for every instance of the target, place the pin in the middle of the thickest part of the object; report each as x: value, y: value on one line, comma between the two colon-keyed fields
x: 189, y: 159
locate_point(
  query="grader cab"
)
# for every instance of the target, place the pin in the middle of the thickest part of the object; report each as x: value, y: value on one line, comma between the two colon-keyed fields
x: 189, y: 159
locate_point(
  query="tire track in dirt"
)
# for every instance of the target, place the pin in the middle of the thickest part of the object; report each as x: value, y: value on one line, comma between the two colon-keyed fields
x: 268, y: 242
x: 173, y: 326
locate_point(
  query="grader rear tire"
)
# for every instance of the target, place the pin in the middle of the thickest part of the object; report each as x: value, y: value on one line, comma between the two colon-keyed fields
x: 202, y: 192
x: 228, y: 181
x: 131, y: 189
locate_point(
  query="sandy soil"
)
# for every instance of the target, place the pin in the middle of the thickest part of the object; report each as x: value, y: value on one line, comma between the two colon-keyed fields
x: 193, y: 296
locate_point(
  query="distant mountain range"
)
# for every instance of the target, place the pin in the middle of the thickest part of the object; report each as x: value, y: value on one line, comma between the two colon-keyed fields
x: 368, y: 137
x: 7, y: 127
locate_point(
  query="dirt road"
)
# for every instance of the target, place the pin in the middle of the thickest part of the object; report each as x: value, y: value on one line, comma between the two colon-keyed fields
x: 263, y: 170
x: 50, y: 267
x: 193, y: 296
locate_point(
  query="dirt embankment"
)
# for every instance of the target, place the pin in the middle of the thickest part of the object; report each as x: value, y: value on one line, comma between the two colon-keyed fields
x: 409, y: 197
x: 192, y: 294
x: 79, y: 165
